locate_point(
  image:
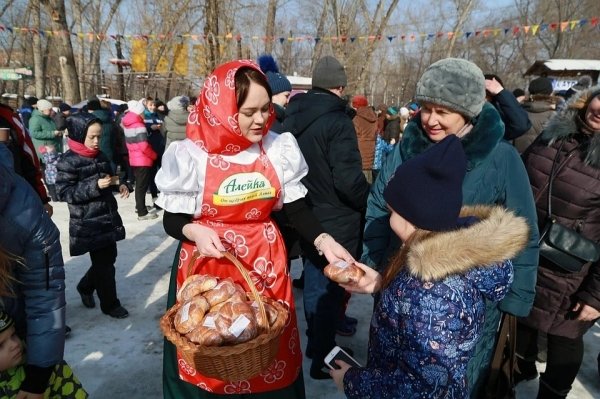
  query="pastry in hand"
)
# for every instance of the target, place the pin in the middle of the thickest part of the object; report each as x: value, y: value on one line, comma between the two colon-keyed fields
x: 190, y: 314
x: 343, y: 272
x: 195, y: 285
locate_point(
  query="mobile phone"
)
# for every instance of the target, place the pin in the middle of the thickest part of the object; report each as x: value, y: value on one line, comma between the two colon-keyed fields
x: 338, y: 353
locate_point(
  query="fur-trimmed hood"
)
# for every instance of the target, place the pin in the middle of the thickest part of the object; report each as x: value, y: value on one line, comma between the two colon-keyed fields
x: 487, y: 132
x: 567, y: 123
x: 499, y: 235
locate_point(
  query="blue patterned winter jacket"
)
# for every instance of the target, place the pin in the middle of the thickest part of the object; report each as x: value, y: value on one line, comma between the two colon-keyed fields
x: 429, y: 318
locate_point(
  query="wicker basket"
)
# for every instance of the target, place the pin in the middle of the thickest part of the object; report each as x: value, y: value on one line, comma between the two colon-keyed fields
x: 233, y: 362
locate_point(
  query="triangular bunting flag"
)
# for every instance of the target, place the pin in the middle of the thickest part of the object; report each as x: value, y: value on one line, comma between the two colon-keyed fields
x: 526, y: 29
x: 543, y: 27
x: 534, y: 29
x: 582, y: 22
x: 506, y: 31
x: 573, y: 24
x: 352, y: 39
x: 553, y: 25
x: 450, y: 35
x: 430, y: 36
x: 515, y: 30
x: 281, y: 40
x: 594, y: 21
x: 390, y: 38
x: 468, y: 34
x: 563, y: 26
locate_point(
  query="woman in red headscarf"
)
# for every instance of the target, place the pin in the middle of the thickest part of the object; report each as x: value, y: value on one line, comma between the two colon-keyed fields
x: 218, y: 188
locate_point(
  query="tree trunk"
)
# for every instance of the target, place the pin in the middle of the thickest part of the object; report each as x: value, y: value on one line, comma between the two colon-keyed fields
x: 64, y: 50
x: 464, y: 11
x: 39, y: 70
x: 211, y: 31
x: 78, y: 22
x: 270, y: 30
x: 120, y: 78
x: 320, y: 31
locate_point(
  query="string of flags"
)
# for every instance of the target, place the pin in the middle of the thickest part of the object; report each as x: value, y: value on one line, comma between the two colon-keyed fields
x: 535, y: 29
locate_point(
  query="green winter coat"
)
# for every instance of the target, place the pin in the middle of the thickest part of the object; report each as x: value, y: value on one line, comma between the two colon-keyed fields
x: 41, y: 129
x: 495, y: 176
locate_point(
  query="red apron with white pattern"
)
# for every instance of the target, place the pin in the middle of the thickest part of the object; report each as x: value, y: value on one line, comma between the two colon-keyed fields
x: 237, y: 204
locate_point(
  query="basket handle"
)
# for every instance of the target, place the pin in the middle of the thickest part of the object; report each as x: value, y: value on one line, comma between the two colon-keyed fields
x: 245, y: 275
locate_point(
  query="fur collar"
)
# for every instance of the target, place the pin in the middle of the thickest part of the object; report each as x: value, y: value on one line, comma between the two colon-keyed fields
x: 567, y: 124
x: 488, y: 130
x: 499, y: 235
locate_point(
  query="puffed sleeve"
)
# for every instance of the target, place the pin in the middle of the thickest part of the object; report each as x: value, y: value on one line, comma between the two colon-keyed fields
x: 180, y: 179
x: 292, y: 166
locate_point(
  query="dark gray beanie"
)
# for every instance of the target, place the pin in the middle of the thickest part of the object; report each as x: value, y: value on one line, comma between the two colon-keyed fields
x: 329, y: 73
x: 454, y: 83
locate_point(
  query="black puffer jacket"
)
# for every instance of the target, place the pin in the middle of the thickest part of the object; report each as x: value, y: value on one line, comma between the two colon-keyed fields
x: 95, y: 221
x: 337, y: 188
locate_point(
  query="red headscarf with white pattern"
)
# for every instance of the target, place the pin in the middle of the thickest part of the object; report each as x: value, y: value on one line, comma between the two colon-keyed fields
x: 213, y: 123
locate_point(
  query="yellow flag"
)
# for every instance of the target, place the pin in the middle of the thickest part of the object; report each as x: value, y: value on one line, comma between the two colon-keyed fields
x: 162, y: 65
x: 138, y: 55
x: 180, y: 65
x: 534, y: 29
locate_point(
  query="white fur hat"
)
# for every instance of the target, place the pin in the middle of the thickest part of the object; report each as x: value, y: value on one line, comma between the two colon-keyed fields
x: 136, y: 107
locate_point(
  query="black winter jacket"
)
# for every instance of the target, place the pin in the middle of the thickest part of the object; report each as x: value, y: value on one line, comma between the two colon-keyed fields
x: 337, y: 188
x: 515, y: 118
x: 95, y: 222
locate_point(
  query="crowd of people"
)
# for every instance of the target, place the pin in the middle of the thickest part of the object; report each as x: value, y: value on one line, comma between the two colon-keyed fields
x: 441, y: 202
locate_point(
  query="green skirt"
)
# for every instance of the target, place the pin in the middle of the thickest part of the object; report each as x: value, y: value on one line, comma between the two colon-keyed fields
x: 175, y: 388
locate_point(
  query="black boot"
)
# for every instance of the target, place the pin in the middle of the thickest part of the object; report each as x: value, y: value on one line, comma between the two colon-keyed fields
x: 527, y: 371
x: 547, y: 392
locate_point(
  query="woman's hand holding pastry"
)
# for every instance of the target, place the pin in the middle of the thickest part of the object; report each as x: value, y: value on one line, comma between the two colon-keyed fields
x: 331, y: 249
x: 369, y: 283
x: 207, y: 240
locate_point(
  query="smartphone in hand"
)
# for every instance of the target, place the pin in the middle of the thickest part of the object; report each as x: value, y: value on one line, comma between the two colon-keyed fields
x: 338, y: 353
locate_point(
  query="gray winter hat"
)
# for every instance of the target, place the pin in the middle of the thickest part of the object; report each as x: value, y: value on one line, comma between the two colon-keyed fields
x: 454, y: 83
x: 329, y: 73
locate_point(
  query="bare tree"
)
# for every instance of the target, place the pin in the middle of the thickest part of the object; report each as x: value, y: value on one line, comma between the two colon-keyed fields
x: 270, y: 28
x: 64, y: 49
x: 39, y: 68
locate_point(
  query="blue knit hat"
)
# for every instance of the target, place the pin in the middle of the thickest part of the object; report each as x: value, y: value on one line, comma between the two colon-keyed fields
x: 278, y: 82
x: 78, y: 123
x: 427, y: 190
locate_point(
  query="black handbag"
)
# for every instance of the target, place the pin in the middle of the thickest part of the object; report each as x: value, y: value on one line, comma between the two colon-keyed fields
x: 562, y: 246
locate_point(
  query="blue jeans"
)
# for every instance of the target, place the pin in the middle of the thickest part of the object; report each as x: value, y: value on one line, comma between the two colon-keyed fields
x: 323, y: 301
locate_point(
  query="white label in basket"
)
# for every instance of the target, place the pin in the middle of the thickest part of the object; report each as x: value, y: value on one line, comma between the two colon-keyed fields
x: 209, y: 322
x: 342, y: 264
x: 239, y: 325
x: 185, y: 312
